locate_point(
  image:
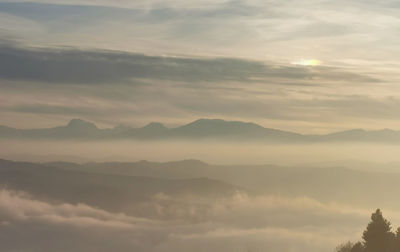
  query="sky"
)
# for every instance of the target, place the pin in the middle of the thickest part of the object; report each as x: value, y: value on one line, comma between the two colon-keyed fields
x: 309, y: 66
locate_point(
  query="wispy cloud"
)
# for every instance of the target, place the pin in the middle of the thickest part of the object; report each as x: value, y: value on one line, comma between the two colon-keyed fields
x: 252, y: 29
x: 97, y: 84
x: 240, y: 223
x: 227, y: 59
x: 85, y: 67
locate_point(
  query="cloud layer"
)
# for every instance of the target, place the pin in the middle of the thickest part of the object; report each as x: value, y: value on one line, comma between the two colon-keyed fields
x: 178, y: 61
x: 235, y: 224
x: 114, y: 86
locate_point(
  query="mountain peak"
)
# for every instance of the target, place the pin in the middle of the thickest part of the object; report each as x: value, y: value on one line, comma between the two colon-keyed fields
x: 155, y: 125
x: 203, y: 122
x: 207, y: 120
x: 81, y: 124
x: 218, y: 128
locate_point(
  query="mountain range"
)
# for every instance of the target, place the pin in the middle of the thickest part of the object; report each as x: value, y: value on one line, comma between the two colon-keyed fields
x: 124, y: 186
x: 326, y: 184
x: 214, y: 129
x: 112, y: 192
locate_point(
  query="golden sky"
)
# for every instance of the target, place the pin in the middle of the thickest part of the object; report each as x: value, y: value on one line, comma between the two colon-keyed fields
x: 309, y: 66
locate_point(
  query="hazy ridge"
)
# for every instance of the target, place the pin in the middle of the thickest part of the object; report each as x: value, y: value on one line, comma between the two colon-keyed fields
x: 139, y: 180
x: 111, y: 192
x: 214, y: 129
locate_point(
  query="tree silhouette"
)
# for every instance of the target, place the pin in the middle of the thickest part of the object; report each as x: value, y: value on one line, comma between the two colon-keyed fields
x: 345, y: 247
x: 378, y: 236
x: 358, y: 247
x: 396, y: 243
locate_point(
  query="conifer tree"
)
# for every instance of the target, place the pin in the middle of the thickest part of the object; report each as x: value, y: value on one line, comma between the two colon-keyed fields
x: 378, y: 236
x: 358, y: 247
x: 396, y: 244
x: 345, y: 247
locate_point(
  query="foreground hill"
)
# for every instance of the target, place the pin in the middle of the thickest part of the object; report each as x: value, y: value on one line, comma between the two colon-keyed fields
x: 111, y: 192
x: 214, y: 129
x: 326, y: 184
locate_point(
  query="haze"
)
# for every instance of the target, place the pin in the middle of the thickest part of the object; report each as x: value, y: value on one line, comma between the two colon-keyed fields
x: 160, y: 126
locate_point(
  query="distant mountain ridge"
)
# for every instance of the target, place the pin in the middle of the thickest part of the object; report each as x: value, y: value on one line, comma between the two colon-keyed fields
x: 112, y: 192
x: 118, y: 186
x: 332, y: 183
x: 214, y: 129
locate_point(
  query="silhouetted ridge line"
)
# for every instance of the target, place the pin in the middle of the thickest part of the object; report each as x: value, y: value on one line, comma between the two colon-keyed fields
x: 211, y: 129
x: 112, y: 192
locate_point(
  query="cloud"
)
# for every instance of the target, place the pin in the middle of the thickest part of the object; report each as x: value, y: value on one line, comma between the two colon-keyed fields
x: 244, y: 28
x: 208, y: 68
x: 124, y: 3
x: 75, y: 66
x: 30, y: 225
x: 179, y: 224
x: 115, y: 87
x: 86, y: 67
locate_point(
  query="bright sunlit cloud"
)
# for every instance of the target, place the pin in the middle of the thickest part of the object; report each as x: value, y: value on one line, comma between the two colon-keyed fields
x: 307, y: 62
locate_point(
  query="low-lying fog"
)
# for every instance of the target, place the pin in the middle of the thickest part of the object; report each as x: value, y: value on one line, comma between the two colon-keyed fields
x: 320, y: 154
x: 231, y: 205
x: 238, y: 223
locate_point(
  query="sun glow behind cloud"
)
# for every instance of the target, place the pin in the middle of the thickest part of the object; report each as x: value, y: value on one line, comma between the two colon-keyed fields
x: 307, y: 62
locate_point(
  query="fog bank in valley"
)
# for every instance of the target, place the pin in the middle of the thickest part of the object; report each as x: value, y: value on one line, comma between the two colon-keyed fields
x: 239, y: 223
x: 377, y: 156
